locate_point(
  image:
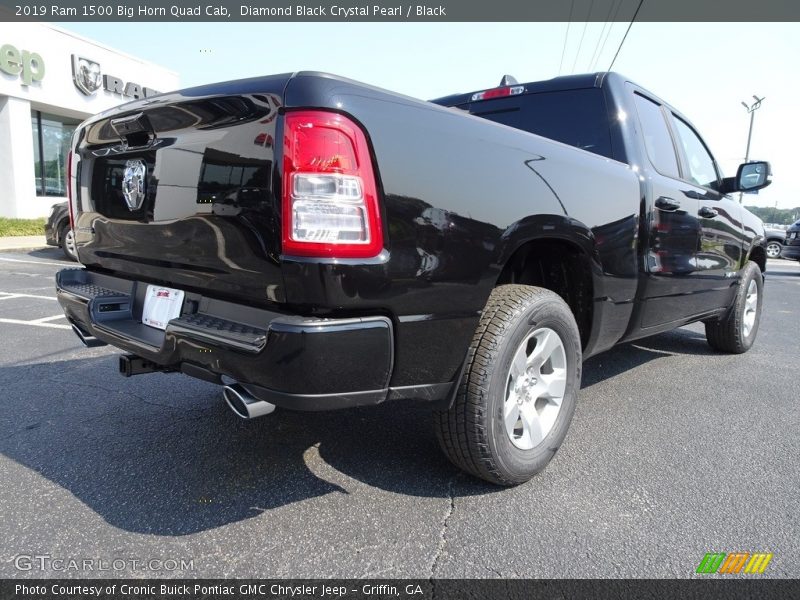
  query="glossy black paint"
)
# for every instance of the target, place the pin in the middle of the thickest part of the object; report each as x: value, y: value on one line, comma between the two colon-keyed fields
x: 461, y: 196
x: 209, y: 221
x: 692, y: 257
x: 300, y: 362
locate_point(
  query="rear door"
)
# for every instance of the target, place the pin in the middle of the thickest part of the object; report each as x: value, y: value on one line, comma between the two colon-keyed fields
x: 673, y: 229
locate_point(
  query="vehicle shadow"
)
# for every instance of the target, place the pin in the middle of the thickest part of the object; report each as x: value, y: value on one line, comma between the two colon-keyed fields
x: 49, y: 253
x: 635, y: 354
x: 162, y: 454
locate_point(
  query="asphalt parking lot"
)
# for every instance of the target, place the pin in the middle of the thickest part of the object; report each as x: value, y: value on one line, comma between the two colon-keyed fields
x: 674, y: 451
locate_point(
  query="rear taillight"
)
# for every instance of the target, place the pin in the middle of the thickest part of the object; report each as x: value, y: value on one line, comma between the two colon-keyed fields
x: 69, y: 191
x: 330, y: 196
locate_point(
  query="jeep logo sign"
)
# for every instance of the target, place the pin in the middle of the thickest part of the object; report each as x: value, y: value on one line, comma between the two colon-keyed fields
x: 86, y: 74
x: 28, y: 65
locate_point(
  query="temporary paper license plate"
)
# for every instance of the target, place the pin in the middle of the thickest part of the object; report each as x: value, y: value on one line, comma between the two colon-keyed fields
x: 160, y: 305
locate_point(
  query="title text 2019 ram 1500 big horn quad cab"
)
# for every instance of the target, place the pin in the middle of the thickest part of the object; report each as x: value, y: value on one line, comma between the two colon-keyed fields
x: 313, y: 243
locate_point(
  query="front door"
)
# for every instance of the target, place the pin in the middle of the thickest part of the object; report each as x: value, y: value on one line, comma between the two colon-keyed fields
x: 719, y: 253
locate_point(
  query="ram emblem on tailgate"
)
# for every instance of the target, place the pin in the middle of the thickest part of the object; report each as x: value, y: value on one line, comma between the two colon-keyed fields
x: 133, y: 183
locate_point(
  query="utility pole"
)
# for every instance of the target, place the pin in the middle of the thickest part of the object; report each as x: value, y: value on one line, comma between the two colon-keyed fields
x: 751, y: 110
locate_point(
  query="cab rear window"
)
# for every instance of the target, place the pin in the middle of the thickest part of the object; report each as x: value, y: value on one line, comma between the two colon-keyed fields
x: 574, y: 117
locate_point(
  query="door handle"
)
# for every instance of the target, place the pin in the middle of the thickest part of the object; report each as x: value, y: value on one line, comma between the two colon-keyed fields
x: 667, y: 204
x: 707, y: 212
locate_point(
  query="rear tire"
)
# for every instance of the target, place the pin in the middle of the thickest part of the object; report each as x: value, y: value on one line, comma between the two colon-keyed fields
x: 736, y: 332
x: 516, y: 398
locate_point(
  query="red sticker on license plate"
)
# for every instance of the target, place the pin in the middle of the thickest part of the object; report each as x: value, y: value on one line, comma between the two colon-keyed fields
x: 161, y: 305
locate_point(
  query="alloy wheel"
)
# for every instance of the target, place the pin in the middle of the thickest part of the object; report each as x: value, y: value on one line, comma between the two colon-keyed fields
x: 535, y: 388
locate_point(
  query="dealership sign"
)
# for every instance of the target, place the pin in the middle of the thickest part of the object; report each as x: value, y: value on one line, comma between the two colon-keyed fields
x: 86, y: 74
x: 88, y: 78
x: 29, y: 66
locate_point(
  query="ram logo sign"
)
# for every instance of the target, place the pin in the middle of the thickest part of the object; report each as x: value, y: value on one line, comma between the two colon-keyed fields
x: 86, y: 74
x: 734, y: 563
x: 88, y: 78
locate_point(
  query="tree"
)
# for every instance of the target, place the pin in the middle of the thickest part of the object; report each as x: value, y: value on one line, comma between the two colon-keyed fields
x: 772, y: 214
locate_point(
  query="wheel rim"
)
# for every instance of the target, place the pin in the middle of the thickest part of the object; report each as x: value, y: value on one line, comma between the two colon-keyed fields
x: 535, y: 387
x: 773, y: 250
x: 69, y: 242
x: 750, y: 308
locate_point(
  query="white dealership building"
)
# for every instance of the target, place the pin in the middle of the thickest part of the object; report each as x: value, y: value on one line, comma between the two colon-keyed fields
x: 50, y: 81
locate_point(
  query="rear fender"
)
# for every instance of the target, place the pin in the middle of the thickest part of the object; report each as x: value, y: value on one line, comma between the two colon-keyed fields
x: 555, y: 227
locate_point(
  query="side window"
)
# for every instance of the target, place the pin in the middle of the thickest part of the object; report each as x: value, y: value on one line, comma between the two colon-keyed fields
x: 701, y: 166
x: 656, y: 137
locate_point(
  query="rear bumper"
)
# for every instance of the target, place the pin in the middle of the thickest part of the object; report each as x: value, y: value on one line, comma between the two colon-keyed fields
x: 291, y: 361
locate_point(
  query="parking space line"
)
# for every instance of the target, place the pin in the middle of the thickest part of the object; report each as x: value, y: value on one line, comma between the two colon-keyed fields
x: 7, y: 295
x: 31, y: 262
x: 46, y: 319
x: 34, y: 324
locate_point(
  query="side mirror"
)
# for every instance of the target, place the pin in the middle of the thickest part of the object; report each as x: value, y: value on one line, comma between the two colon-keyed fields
x: 753, y: 176
x: 750, y: 177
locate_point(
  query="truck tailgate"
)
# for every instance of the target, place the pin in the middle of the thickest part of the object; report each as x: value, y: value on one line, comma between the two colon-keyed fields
x: 178, y: 190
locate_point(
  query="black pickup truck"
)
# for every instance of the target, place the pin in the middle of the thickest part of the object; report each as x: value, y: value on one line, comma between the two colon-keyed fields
x: 312, y: 243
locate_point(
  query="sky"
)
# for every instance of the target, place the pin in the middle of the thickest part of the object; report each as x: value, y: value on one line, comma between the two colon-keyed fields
x: 704, y: 70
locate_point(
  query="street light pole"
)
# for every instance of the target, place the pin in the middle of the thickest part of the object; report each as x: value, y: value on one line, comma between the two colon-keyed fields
x: 751, y: 109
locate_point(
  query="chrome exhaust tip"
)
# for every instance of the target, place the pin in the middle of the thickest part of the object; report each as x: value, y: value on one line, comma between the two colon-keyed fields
x: 87, y: 340
x: 244, y: 404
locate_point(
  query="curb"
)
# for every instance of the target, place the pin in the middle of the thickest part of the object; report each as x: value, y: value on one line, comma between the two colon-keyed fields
x: 25, y: 248
x: 22, y: 243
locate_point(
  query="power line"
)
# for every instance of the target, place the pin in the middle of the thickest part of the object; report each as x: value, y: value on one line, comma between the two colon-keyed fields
x: 588, y: 17
x: 611, y: 24
x: 624, y: 37
x: 566, y: 37
x: 602, y: 31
